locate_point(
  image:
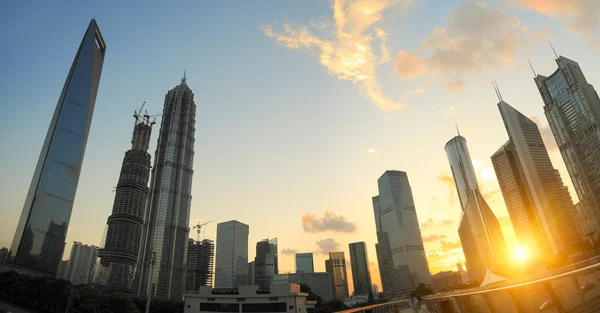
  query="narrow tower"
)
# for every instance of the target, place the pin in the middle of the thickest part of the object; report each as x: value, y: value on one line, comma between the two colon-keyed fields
x: 121, y: 243
x: 39, y: 240
x: 166, y: 225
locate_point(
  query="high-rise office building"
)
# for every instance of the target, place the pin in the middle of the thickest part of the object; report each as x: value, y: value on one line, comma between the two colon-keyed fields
x: 161, y: 265
x: 231, y: 264
x: 479, y: 230
x: 82, y: 263
x: 120, y: 247
x: 39, y: 240
x: 538, y: 202
x: 251, y: 273
x: 200, y: 261
x: 359, y: 262
x: 266, y: 262
x: 63, y: 270
x: 400, y: 251
x: 305, y: 263
x: 336, y: 267
x: 319, y: 283
x: 572, y: 107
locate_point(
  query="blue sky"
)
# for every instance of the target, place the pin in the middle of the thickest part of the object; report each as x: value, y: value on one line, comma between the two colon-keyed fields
x: 280, y: 134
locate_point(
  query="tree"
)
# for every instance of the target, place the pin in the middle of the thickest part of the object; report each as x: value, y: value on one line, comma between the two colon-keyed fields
x: 423, y: 290
x: 118, y: 303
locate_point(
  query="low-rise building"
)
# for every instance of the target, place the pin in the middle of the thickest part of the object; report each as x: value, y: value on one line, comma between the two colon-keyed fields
x: 444, y: 281
x: 319, y: 283
x: 278, y: 298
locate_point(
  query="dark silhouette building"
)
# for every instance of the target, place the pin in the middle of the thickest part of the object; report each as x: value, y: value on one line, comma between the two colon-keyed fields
x: 265, y: 262
x: 200, y: 261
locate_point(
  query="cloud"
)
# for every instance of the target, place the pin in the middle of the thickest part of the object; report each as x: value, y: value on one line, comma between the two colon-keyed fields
x: 433, y: 237
x: 490, y: 194
x: 327, y: 245
x: 368, y: 151
x: 474, y: 38
x: 289, y: 251
x: 447, y: 180
x: 581, y: 16
x: 447, y: 246
x: 451, y: 110
x: 330, y: 221
x: 350, y: 45
x: 547, y: 135
x: 430, y: 223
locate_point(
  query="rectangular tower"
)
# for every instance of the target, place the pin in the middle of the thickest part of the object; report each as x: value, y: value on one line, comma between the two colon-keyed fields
x: 479, y: 230
x: 39, y: 240
x: 266, y: 262
x: 305, y: 263
x: 399, y: 244
x: 231, y: 264
x: 82, y: 263
x: 546, y: 194
x: 572, y: 107
x: 359, y: 262
x: 161, y: 265
x: 200, y: 261
x: 336, y: 267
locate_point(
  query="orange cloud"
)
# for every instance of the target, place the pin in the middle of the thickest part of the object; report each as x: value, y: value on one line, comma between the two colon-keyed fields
x: 327, y: 245
x: 330, y: 221
x: 351, y: 47
x: 433, y: 237
x: 449, y: 245
x: 430, y: 223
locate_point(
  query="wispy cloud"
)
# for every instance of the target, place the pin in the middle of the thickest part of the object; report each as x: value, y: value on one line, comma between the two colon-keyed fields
x: 289, y: 251
x: 433, y: 237
x: 474, y: 38
x: 325, y: 246
x: 330, y: 221
x: 368, y: 152
x: 431, y: 223
x: 451, y: 110
x: 350, y: 45
x: 448, y: 181
x: 447, y: 246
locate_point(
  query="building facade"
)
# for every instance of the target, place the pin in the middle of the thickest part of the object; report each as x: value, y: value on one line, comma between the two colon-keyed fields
x: 305, y: 263
x: 479, y: 230
x: 359, y: 263
x: 3, y: 255
x: 266, y: 262
x: 161, y: 265
x: 82, y: 263
x: 446, y: 281
x: 251, y: 273
x: 572, y: 107
x: 120, y: 247
x: 336, y: 267
x: 280, y: 298
x: 319, y: 283
x: 63, y: 270
x: 400, y: 251
x: 200, y: 261
x: 538, y: 202
x: 231, y: 264
x: 39, y: 240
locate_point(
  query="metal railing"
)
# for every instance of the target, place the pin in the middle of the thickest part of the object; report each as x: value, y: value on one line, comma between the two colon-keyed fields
x: 570, y: 289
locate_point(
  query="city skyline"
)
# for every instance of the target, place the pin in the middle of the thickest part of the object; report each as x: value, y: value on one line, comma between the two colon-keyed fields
x: 305, y: 112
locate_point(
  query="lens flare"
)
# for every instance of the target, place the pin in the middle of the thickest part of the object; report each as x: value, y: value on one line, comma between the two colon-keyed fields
x: 520, y: 254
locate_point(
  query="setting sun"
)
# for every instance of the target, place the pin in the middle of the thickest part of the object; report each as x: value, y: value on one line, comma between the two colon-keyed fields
x: 520, y: 254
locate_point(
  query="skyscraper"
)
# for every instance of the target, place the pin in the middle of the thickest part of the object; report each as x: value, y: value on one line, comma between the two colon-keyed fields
x: 538, y: 202
x: 39, y: 240
x: 161, y: 264
x: 305, y: 263
x: 266, y: 262
x: 121, y: 243
x: 231, y: 264
x: 336, y: 267
x: 400, y: 250
x: 572, y: 107
x: 359, y: 262
x: 82, y: 263
x: 200, y: 261
x: 479, y: 230
x: 251, y: 273
x: 63, y: 270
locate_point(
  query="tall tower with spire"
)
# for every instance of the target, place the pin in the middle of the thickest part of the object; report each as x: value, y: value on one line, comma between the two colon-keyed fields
x: 121, y: 241
x: 161, y: 264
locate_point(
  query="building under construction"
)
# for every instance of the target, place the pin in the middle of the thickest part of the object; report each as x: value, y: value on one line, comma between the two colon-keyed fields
x: 200, y: 260
x: 121, y: 243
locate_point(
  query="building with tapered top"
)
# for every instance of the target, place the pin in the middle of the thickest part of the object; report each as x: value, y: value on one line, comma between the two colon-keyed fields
x: 538, y: 202
x: 479, y: 230
x: 572, y: 107
x: 39, y: 240
x: 120, y: 246
x: 161, y: 266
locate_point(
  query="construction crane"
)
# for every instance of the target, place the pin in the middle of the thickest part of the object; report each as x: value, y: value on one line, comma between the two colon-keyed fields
x: 199, y: 226
x: 138, y: 113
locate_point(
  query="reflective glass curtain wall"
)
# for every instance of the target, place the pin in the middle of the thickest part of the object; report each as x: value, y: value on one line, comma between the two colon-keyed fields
x: 39, y: 240
x: 359, y: 262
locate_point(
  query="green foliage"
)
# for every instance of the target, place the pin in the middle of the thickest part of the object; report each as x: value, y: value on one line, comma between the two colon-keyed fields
x: 51, y: 295
x: 423, y: 290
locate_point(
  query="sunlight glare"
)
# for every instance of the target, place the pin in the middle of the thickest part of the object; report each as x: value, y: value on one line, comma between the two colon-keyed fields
x: 520, y: 254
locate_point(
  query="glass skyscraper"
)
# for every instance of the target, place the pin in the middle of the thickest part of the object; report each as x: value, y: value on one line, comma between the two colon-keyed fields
x: 39, y: 240
x: 266, y: 263
x: 400, y: 251
x: 572, y: 107
x: 231, y: 263
x: 161, y: 265
x: 305, y: 263
x: 359, y: 262
x: 479, y: 230
x: 336, y: 267
x: 538, y: 202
